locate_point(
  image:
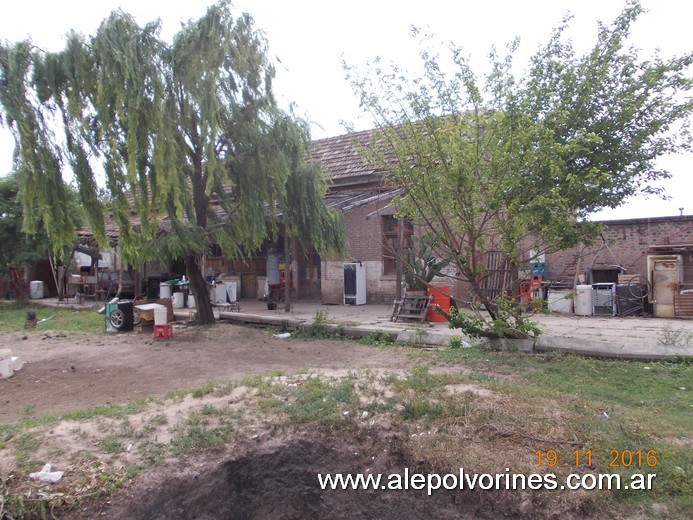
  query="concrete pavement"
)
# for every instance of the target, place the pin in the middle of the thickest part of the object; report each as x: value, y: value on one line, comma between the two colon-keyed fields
x: 604, y: 336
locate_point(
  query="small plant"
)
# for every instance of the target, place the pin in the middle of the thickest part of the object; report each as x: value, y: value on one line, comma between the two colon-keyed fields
x: 671, y: 337
x: 378, y: 338
x: 421, y: 264
x: 455, y: 342
x: 318, y: 329
x: 194, y: 435
x: 112, y: 445
x: 202, y: 391
x: 509, y: 323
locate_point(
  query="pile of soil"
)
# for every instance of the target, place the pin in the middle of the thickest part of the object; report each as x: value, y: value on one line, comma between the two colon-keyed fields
x: 279, y: 480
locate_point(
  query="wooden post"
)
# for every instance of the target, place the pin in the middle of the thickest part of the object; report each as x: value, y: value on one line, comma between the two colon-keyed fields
x: 287, y: 273
x: 400, y: 245
x: 575, y: 281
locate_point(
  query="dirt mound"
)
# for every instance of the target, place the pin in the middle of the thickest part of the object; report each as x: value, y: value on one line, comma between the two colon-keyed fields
x: 279, y: 480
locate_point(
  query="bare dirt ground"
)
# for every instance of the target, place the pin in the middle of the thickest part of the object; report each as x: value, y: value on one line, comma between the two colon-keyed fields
x: 67, y: 371
x: 235, y: 451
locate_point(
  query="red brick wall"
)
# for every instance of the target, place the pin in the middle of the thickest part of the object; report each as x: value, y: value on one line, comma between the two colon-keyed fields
x: 363, y: 234
x: 627, y: 241
x: 364, y: 242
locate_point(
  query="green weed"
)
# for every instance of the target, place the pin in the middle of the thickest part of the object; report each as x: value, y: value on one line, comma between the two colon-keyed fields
x: 112, y: 445
x: 420, y: 408
x: 378, y: 339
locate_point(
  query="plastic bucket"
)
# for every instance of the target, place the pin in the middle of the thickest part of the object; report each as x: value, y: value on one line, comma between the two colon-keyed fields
x: 441, y: 298
x: 17, y: 363
x: 6, y: 364
x: 36, y: 290
x: 164, y: 290
x: 191, y: 301
x: 161, y: 316
x: 178, y: 300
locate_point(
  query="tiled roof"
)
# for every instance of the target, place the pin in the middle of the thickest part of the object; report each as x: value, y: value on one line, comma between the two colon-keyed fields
x: 341, y: 159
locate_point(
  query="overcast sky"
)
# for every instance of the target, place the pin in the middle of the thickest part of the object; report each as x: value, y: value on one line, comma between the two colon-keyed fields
x: 311, y: 37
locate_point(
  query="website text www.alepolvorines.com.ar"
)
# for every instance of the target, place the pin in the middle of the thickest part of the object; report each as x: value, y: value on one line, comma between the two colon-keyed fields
x: 432, y: 482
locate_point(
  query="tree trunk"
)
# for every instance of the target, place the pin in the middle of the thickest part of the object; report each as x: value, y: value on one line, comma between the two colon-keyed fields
x: 487, y: 304
x: 198, y: 287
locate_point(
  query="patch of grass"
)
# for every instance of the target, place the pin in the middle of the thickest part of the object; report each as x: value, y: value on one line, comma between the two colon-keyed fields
x: 27, y: 441
x: 13, y: 318
x: 152, y: 452
x: 208, y: 409
x: 422, y: 381
x: 260, y: 382
x: 25, y: 445
x: 112, y: 445
x: 421, y: 408
x: 377, y: 339
x: 108, y: 410
x: 196, y: 435
x: 136, y: 406
x: 200, y: 391
x: 319, y: 329
x: 671, y: 337
x: 603, y: 404
x: 158, y: 420
x: 321, y: 401
x: 203, y: 390
x: 455, y: 342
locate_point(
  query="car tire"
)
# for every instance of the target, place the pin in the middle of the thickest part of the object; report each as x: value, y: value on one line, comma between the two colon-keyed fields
x: 117, y: 319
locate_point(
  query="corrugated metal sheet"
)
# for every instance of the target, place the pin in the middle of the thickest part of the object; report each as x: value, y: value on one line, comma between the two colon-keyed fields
x: 683, y: 306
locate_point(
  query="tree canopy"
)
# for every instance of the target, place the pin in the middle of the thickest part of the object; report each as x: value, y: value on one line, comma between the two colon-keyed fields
x: 511, y: 164
x: 187, y: 134
x: 18, y: 250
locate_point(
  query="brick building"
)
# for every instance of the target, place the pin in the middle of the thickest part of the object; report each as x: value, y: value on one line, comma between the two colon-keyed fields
x: 623, y: 248
x: 658, y: 251
x: 360, y: 191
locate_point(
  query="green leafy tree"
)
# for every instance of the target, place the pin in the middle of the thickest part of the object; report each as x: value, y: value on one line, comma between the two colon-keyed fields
x: 512, y: 164
x: 310, y: 221
x: 21, y: 250
x: 188, y: 134
x: 18, y: 250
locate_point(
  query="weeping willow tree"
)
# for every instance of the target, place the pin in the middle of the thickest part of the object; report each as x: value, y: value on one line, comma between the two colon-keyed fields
x: 187, y: 135
x: 311, y: 222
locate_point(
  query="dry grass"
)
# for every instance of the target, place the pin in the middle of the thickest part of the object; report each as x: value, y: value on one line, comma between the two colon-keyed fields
x: 481, y: 411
